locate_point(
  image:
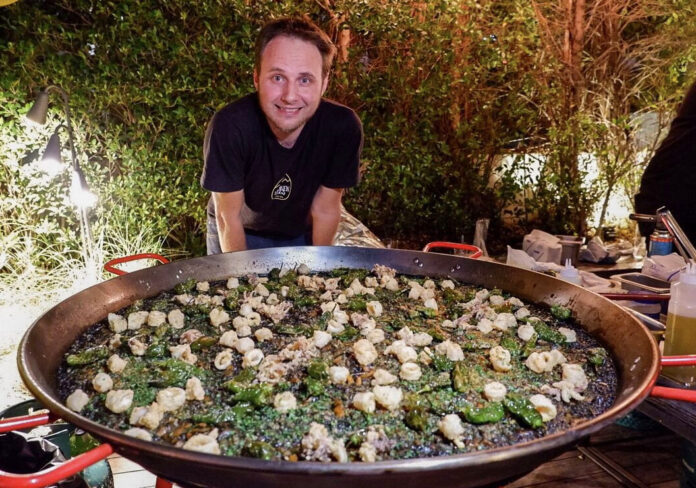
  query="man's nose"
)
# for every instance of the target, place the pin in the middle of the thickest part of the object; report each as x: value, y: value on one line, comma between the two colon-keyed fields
x: 290, y: 92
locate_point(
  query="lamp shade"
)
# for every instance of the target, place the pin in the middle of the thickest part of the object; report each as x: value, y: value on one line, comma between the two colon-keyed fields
x: 37, y: 112
x: 52, y: 152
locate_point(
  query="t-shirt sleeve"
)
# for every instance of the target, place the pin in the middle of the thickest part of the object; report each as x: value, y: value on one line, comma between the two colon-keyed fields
x: 223, y: 169
x: 343, y: 171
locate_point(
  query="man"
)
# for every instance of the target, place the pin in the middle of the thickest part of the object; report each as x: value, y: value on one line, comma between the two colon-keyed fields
x: 670, y: 177
x: 277, y: 161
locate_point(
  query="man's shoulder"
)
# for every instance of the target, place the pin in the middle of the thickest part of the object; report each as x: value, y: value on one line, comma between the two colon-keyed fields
x: 337, y: 111
x: 242, y: 112
x: 337, y: 119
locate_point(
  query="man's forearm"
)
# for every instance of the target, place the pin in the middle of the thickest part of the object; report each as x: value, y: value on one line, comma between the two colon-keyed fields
x: 232, y: 237
x: 324, y: 226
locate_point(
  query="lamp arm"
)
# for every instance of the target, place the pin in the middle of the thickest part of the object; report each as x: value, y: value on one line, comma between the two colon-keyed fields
x: 84, y: 217
x: 68, y: 121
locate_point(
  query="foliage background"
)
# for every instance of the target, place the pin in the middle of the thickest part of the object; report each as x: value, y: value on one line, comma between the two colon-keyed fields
x: 443, y: 87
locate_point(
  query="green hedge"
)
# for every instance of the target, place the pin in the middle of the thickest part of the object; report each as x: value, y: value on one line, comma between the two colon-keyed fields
x: 442, y: 87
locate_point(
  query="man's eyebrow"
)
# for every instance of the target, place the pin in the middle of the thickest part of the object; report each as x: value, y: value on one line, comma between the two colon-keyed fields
x: 303, y: 74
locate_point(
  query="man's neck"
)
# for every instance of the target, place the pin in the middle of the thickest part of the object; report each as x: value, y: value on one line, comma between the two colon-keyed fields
x: 285, y: 139
x: 287, y: 143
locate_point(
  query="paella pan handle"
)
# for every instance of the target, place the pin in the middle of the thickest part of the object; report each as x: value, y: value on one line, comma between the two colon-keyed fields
x: 681, y: 394
x: 52, y: 475
x: 109, y: 266
x: 475, y: 251
x: 26, y: 421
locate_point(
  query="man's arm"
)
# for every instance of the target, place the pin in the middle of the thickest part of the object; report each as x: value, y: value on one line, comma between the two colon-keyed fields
x: 326, y: 213
x: 228, y: 209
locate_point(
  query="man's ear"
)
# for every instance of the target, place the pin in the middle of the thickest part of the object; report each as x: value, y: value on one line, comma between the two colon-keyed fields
x: 324, y: 84
x: 256, y: 79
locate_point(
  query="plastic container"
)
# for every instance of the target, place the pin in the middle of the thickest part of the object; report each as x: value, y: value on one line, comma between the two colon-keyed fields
x: 680, y: 336
x: 570, y: 273
x: 570, y: 248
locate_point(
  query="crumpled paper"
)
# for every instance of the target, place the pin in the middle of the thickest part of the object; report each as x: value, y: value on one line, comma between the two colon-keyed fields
x: 542, y: 246
x: 520, y: 259
x: 352, y: 232
x: 663, y: 267
x: 597, y: 252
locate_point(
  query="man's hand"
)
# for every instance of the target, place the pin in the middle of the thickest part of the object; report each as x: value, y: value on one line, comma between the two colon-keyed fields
x: 228, y: 209
x: 326, y: 213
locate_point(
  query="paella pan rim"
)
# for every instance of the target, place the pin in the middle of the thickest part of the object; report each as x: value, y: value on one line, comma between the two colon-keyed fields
x: 543, y: 288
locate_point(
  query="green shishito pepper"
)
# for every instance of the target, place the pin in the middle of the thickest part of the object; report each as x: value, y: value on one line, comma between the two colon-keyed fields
x: 232, y: 299
x: 436, y: 334
x: 467, y: 377
x: 173, y: 372
x: 203, y: 343
x: 489, y: 413
x: 560, y: 312
x: 318, y: 370
x: 160, y: 305
x: 197, y: 309
x: 216, y: 415
x: 356, y: 305
x: 256, y: 395
x: 597, y: 356
x: 241, y: 380
x: 143, y: 394
x: 305, y: 301
x: 426, y: 312
x: 185, y: 286
x: 442, y: 363
x: 162, y: 330
x: 259, y: 450
x: 347, y: 275
x: 511, y: 345
x: 450, y: 296
x: 348, y: 334
x: 293, y: 330
x: 314, y: 386
x: 529, y: 346
x: 287, y: 279
x: 417, y: 419
x: 547, y: 333
x: 88, y: 356
x: 157, y: 349
x: 523, y: 410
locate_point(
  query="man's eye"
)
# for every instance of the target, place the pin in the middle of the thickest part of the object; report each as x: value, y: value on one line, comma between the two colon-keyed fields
x: 277, y: 78
x: 305, y: 81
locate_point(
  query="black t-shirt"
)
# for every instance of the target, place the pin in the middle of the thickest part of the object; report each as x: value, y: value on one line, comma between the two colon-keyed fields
x: 670, y: 177
x: 242, y: 153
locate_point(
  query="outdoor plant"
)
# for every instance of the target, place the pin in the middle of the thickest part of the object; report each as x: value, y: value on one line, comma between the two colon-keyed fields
x: 444, y: 88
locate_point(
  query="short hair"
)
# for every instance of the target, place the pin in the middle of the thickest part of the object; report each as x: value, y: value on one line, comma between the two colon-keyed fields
x: 301, y: 28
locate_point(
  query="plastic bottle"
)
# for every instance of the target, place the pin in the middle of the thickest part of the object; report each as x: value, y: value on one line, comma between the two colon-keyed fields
x: 661, y: 242
x: 570, y: 273
x: 680, y: 337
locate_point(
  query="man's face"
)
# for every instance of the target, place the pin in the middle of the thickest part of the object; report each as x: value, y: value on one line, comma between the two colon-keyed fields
x: 290, y: 85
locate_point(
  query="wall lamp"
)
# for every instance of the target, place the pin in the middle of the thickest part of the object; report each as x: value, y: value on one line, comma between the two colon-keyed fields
x: 80, y: 194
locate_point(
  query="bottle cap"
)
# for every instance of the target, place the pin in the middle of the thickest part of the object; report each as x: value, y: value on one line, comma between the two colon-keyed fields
x: 571, y: 273
x: 688, y: 274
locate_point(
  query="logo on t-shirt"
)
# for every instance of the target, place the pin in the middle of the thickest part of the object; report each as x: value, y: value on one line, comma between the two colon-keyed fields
x: 282, y: 189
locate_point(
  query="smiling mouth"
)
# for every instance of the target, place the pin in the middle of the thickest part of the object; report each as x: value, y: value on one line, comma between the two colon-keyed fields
x: 288, y: 110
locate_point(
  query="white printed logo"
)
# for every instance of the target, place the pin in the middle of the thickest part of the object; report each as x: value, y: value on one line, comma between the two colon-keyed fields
x: 282, y: 189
